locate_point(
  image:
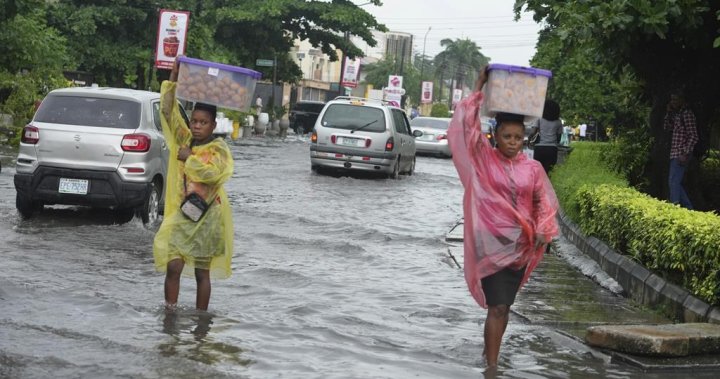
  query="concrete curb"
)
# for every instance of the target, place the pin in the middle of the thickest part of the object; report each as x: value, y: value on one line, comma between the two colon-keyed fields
x: 639, y: 283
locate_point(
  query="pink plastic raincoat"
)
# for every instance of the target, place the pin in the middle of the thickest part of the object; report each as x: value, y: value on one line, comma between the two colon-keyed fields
x: 507, y: 203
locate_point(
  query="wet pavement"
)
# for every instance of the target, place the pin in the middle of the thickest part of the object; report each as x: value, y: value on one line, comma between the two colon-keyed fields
x: 334, y: 277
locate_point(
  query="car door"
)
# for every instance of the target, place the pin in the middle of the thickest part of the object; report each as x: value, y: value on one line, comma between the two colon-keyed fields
x: 161, y: 138
x: 407, y: 147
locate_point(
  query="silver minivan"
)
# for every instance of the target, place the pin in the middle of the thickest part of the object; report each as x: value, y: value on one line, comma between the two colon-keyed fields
x: 97, y: 147
x: 363, y: 135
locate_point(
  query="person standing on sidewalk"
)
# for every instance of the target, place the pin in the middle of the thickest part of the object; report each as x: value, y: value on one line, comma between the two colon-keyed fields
x: 509, y: 211
x: 681, y: 121
x: 550, y: 129
x: 197, y: 238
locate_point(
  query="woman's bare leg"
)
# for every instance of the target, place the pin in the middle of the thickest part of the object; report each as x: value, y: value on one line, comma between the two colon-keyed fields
x: 203, y: 289
x: 495, y: 324
x: 172, y: 282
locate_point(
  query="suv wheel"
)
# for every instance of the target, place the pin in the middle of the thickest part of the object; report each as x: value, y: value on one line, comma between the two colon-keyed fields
x: 26, y: 207
x: 396, y: 170
x: 123, y: 215
x: 149, y: 212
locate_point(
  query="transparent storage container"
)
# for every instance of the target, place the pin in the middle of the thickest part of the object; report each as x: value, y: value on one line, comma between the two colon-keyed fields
x: 515, y: 89
x: 218, y: 84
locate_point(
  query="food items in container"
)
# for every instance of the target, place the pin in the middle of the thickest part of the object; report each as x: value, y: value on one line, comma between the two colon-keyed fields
x: 219, y: 84
x: 515, y: 89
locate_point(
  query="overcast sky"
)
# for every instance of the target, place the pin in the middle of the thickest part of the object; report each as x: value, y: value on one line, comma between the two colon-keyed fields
x: 490, y: 23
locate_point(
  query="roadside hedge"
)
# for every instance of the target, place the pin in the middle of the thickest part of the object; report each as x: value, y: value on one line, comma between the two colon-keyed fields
x: 682, y: 246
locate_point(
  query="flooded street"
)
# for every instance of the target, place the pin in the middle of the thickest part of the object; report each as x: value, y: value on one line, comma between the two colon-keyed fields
x: 332, y: 278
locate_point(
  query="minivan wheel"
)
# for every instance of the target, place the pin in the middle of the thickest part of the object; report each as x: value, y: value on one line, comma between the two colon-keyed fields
x: 149, y: 212
x: 26, y: 207
x: 396, y: 170
x: 412, y: 168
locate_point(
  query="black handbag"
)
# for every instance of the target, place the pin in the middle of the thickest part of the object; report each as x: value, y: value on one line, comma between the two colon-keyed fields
x: 194, y: 206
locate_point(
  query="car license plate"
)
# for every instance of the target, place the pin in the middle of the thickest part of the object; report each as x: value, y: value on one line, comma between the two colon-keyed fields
x: 348, y: 141
x: 74, y: 186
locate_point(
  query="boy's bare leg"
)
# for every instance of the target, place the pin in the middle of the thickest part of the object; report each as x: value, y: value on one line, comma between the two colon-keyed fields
x: 172, y: 282
x: 203, y: 289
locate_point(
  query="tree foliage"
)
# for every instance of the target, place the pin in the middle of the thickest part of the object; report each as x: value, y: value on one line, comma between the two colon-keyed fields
x: 462, y: 59
x: 114, y: 40
x: 660, y: 45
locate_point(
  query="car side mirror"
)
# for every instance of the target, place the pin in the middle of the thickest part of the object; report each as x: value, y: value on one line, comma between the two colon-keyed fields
x: 417, y: 133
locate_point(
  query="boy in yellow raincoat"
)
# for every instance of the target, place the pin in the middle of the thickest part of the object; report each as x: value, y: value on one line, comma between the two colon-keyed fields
x: 201, y: 164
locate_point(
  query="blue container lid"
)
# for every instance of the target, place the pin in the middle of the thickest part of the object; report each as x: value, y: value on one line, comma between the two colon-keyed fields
x: 525, y: 70
x: 242, y: 70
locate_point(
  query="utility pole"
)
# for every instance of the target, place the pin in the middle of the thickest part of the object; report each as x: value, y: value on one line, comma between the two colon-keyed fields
x: 422, y: 64
x: 341, y: 89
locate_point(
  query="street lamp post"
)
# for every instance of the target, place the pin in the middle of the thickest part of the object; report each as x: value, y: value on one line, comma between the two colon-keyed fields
x: 422, y: 64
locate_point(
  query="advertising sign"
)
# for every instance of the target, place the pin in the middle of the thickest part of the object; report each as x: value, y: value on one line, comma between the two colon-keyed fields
x: 427, y: 93
x: 395, y: 81
x: 351, y: 73
x: 457, y: 96
x: 171, y: 37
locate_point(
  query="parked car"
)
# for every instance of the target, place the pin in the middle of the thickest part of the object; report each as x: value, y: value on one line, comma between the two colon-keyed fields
x: 97, y: 147
x: 304, y: 114
x: 434, y: 135
x: 364, y: 135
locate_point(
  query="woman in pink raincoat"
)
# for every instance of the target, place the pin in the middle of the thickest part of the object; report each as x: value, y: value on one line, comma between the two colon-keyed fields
x: 509, y: 208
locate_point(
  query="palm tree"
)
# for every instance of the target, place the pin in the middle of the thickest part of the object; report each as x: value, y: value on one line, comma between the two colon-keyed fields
x: 463, y: 58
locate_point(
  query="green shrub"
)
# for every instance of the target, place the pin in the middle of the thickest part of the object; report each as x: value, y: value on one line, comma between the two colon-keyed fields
x: 439, y: 110
x: 679, y: 244
x: 582, y: 167
x: 628, y: 154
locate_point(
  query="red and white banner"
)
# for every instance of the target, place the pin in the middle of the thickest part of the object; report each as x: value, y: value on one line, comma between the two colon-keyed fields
x: 351, y: 73
x: 427, y: 93
x: 171, y: 37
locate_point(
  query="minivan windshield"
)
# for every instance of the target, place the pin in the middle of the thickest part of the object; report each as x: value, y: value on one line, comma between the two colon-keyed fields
x: 430, y: 123
x: 346, y: 116
x: 89, y: 111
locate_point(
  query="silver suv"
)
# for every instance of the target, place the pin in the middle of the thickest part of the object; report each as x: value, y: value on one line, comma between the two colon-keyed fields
x: 364, y: 135
x: 97, y: 147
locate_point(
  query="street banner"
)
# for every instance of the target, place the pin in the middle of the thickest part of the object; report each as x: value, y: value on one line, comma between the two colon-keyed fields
x: 427, y: 92
x: 351, y: 73
x: 395, y: 81
x: 171, y: 37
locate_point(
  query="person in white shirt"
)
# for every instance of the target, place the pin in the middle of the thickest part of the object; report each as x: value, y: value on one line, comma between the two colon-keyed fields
x: 583, y: 132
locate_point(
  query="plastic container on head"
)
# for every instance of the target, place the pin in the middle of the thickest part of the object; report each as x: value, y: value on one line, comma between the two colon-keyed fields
x: 218, y: 84
x: 515, y: 89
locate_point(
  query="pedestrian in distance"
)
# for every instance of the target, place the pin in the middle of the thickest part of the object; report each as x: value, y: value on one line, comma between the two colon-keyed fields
x: 549, y: 129
x: 582, y: 131
x: 196, y: 235
x: 680, y: 120
x: 509, y: 211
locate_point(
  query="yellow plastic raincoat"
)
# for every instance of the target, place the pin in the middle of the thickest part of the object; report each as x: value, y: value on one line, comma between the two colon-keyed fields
x: 208, y: 243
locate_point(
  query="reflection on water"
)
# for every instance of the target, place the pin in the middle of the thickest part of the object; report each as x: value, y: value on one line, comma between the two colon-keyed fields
x: 190, y: 338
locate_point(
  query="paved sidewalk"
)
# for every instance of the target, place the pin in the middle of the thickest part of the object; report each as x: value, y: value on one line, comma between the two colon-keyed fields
x: 569, y: 292
x: 558, y: 294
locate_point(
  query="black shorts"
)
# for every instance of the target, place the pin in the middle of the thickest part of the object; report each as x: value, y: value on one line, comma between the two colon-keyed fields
x: 501, y: 287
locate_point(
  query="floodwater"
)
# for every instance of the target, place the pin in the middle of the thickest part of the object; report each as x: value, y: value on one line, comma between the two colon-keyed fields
x: 333, y: 277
